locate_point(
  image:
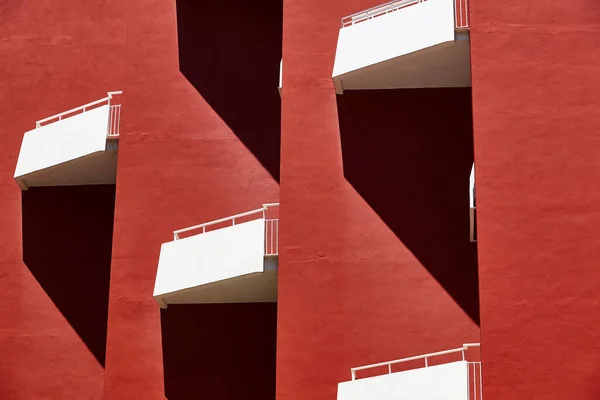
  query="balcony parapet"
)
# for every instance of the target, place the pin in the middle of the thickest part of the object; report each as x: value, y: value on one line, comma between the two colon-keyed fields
x: 74, y: 147
x: 404, y: 44
x: 228, y: 260
x: 448, y: 380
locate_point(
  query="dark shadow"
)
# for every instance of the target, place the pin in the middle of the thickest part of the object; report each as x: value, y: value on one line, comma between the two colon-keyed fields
x: 230, y: 51
x: 219, y: 351
x: 408, y: 153
x: 67, y: 244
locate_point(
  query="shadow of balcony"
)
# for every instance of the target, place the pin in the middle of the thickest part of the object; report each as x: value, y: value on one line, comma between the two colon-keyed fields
x: 230, y: 51
x: 219, y: 351
x: 67, y: 246
x: 408, y: 153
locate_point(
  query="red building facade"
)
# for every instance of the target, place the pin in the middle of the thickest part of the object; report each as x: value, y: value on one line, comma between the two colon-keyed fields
x: 374, y: 258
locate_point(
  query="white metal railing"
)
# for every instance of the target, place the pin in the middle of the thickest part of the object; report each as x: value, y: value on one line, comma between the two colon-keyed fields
x: 271, y: 237
x: 475, y: 379
x: 473, y: 368
x: 377, y: 11
x: 461, y: 12
x: 114, y: 120
x: 114, y: 115
x: 271, y: 227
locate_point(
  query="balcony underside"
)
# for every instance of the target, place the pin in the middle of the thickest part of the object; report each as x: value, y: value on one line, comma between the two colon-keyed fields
x: 444, y: 65
x: 94, y: 169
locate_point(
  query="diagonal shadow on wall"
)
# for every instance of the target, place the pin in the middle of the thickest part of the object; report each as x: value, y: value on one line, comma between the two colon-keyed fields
x: 230, y: 51
x: 408, y: 153
x: 67, y: 245
x: 219, y: 351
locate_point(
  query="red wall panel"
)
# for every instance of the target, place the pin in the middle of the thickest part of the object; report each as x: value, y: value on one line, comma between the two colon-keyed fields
x: 53, y: 56
x: 376, y: 262
x: 185, y: 157
x: 192, y: 149
x: 535, y: 94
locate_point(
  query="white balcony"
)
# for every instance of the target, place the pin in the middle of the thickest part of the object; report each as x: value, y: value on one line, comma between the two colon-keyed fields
x: 75, y: 147
x: 448, y: 380
x: 230, y: 260
x: 404, y: 44
x: 472, y: 207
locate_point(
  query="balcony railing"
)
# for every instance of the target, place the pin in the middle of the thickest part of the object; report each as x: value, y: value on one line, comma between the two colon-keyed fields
x: 271, y: 245
x: 114, y: 114
x: 114, y: 121
x: 473, y: 367
x: 461, y: 12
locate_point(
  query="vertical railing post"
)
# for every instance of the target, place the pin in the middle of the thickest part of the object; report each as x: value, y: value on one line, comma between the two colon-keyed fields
x: 480, y: 383
x: 389, y: 368
x: 426, y: 365
x: 271, y: 235
x: 475, y: 379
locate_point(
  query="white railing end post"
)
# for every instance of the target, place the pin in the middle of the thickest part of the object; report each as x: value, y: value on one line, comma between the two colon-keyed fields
x: 175, y: 235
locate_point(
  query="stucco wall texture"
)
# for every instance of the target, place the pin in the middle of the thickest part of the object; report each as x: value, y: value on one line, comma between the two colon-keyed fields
x: 53, y: 56
x: 375, y: 261
x: 536, y: 86
x: 180, y: 163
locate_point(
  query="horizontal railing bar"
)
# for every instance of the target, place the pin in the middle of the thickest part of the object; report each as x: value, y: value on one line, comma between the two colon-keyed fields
x: 216, y: 221
x: 93, y: 103
x: 220, y: 220
x: 267, y: 205
x: 401, y: 360
x: 383, y: 7
x: 461, y: 13
x: 464, y: 347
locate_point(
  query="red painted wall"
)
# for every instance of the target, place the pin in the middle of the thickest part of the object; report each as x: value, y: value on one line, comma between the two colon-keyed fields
x: 200, y: 127
x: 376, y: 262
x: 200, y: 140
x: 535, y: 93
x: 53, y: 56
